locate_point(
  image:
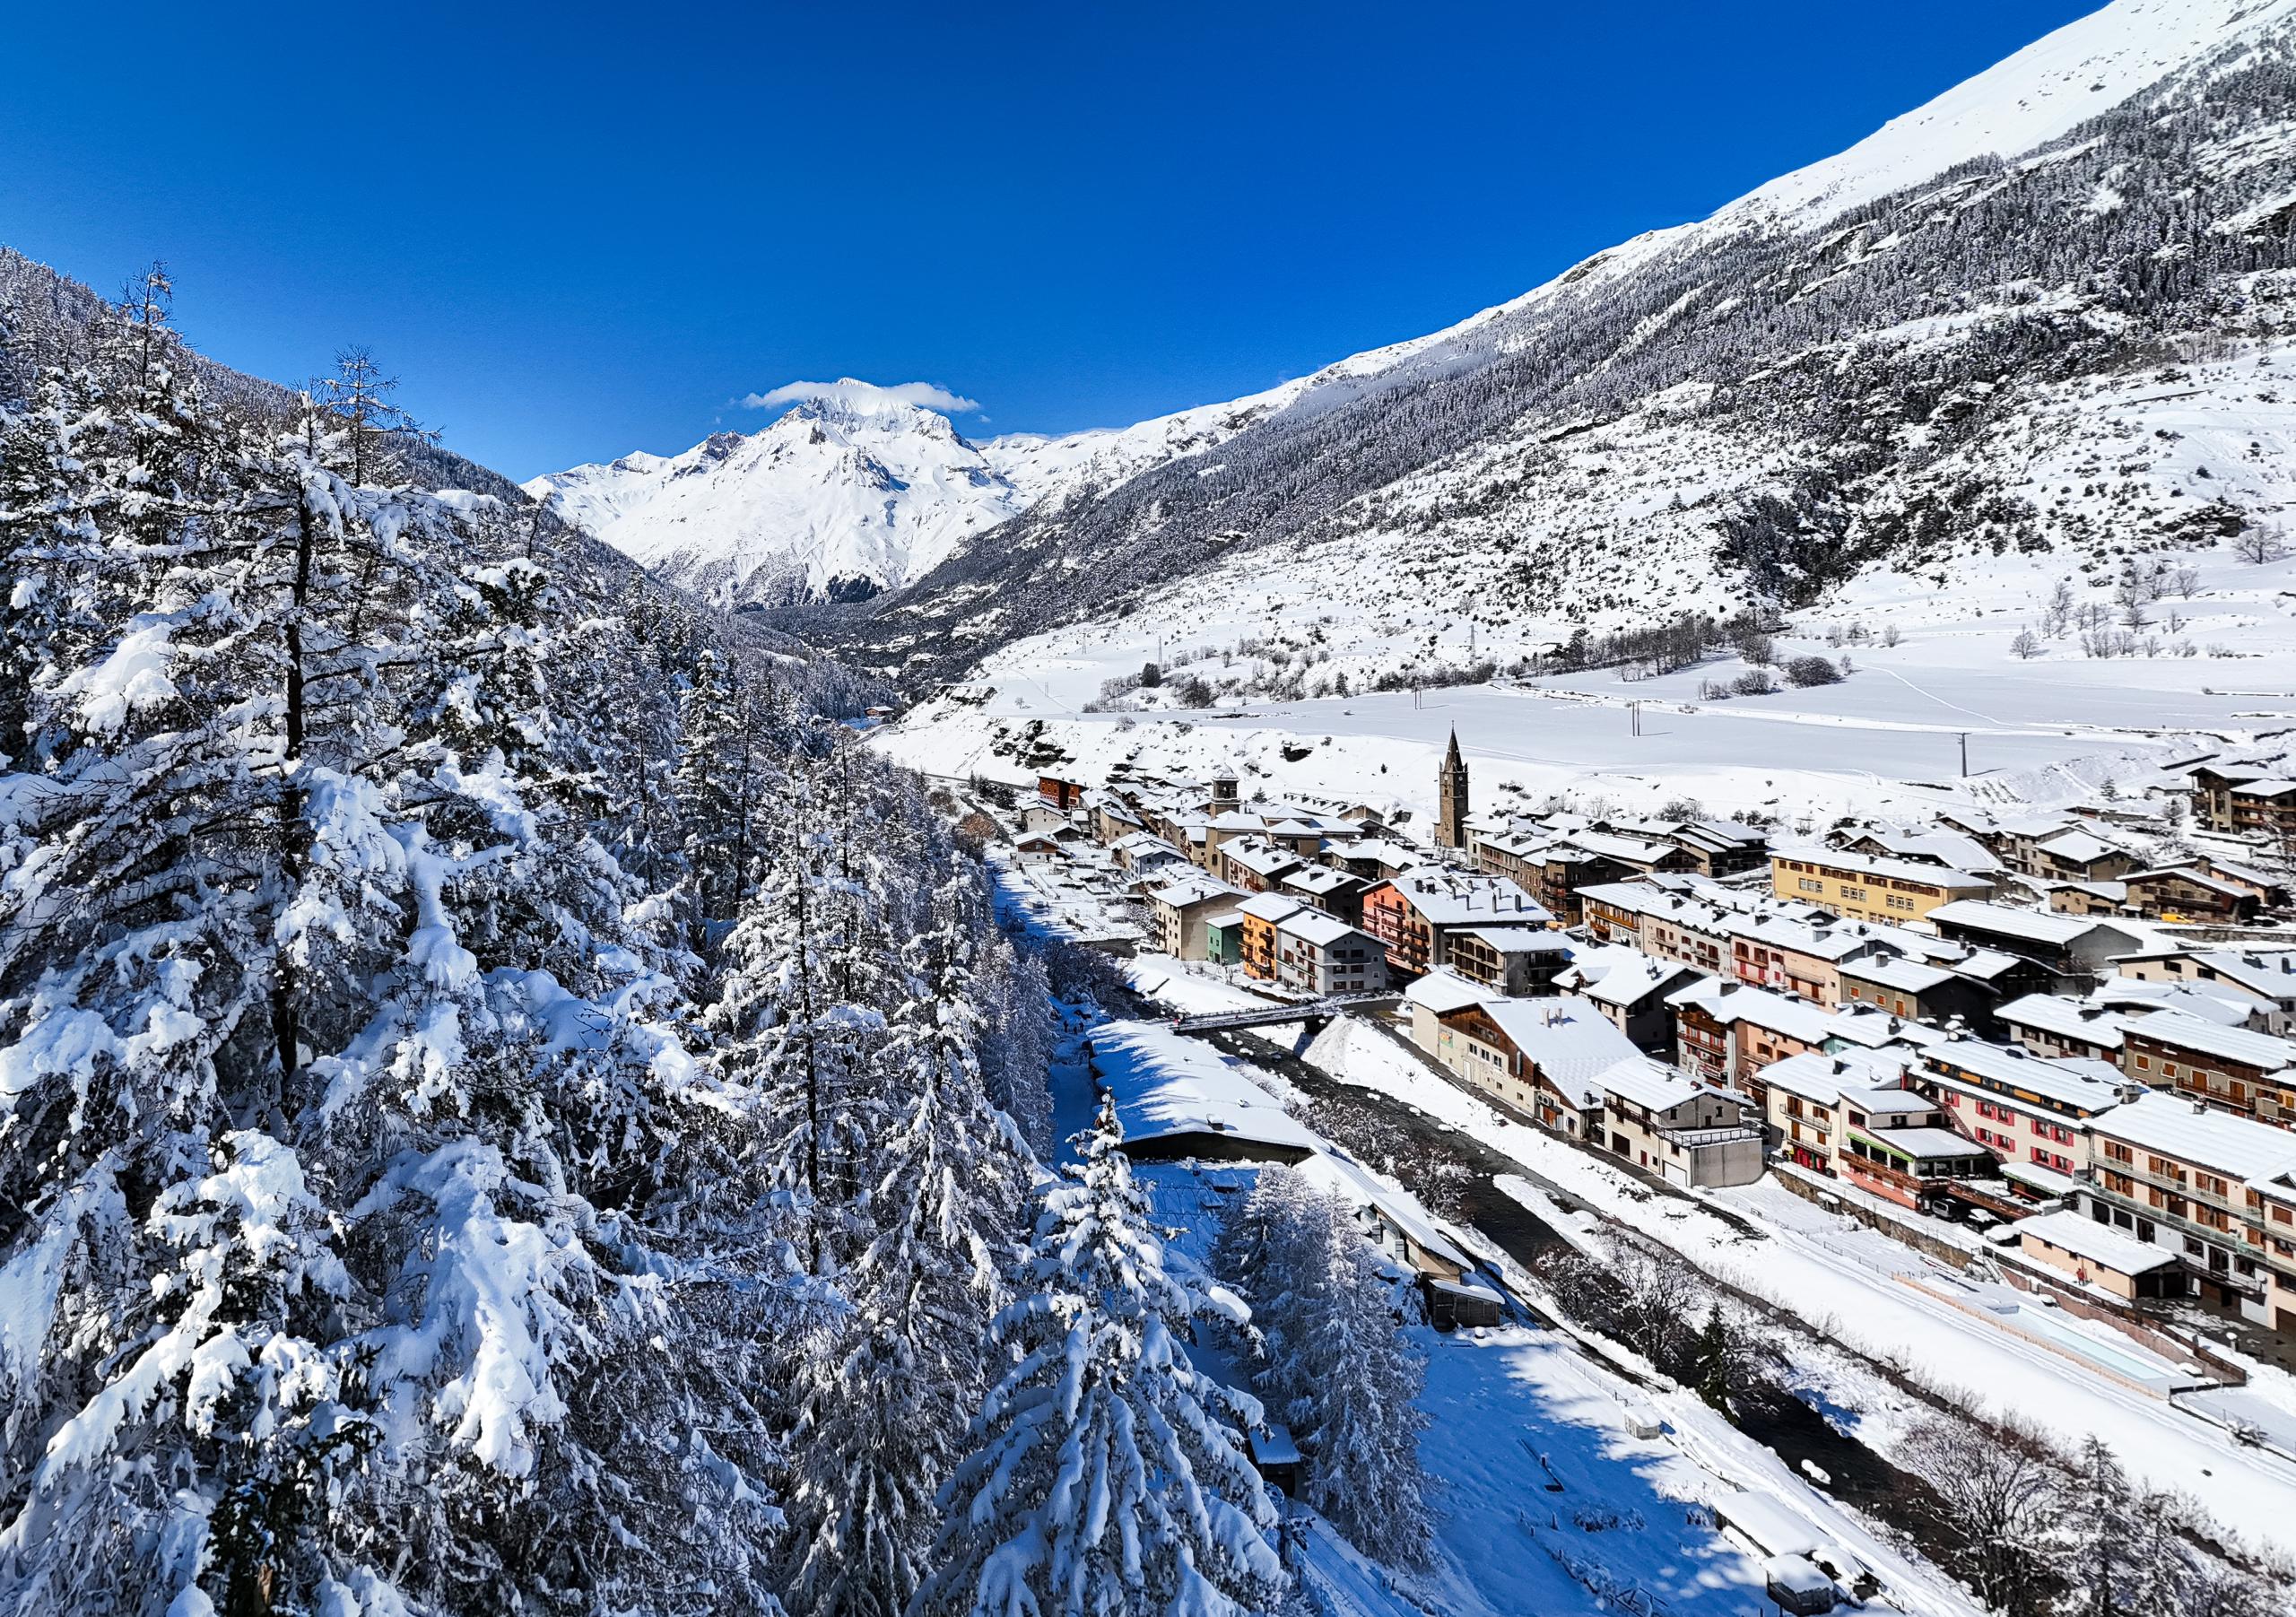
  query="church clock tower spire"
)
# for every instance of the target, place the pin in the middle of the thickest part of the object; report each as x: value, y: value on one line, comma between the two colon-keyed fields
x: 1451, y: 826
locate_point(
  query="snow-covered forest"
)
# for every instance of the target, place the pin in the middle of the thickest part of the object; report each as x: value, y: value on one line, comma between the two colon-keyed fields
x: 497, y: 1104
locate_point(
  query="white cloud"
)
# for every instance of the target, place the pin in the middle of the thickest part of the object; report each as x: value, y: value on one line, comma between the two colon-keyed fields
x: 925, y: 394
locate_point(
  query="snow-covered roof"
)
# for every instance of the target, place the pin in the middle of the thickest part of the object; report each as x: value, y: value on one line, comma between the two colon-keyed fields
x: 1651, y: 1084
x: 1521, y: 940
x: 1626, y: 851
x: 1270, y: 906
x: 1737, y: 1002
x: 1168, y: 1084
x: 1923, y: 1144
x: 1191, y: 889
x: 1315, y: 927
x: 2079, y: 848
x: 1819, y: 943
x: 1441, y: 990
x: 2063, y: 1017
x: 2076, y: 1081
x: 1873, y: 1029
x: 1319, y: 879
x: 2228, y: 1004
x: 2270, y: 973
x: 1455, y: 899
x: 2047, y: 1180
x: 1259, y: 858
x: 1765, y: 1519
x: 1901, y: 870
x: 1611, y: 974
x: 1986, y: 964
x: 1567, y: 1040
x: 1336, y: 1171
x: 2173, y: 1126
x: 2029, y: 925
x: 1893, y: 971
x: 2100, y: 1243
x: 2244, y: 1045
x: 1824, y: 1078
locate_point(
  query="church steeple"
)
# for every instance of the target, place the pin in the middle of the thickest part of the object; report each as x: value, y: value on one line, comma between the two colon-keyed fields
x: 1451, y: 822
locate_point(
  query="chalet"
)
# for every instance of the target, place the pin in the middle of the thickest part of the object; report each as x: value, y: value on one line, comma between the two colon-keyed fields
x: 1637, y: 855
x: 2252, y: 797
x: 1686, y: 1132
x: 1038, y: 847
x: 2181, y: 892
x: 1039, y: 814
x: 1429, y: 999
x: 1797, y: 959
x: 2049, y: 1024
x: 2208, y: 1187
x: 1253, y: 863
x: 2032, y: 1112
x: 2074, y: 950
x: 1553, y: 873
x: 1376, y: 858
x: 2013, y: 840
x: 1714, y: 848
x: 1417, y: 914
x: 1113, y: 820
x: 2236, y: 1068
x: 1063, y: 795
x: 1333, y: 891
x: 1518, y: 961
x: 2263, y: 978
x: 1874, y: 889
x: 1542, y: 1056
x: 1728, y: 1033
x: 1612, y: 911
x: 1390, y: 1218
x: 1321, y: 954
x: 1143, y: 853
x: 2269, y: 889
x: 1951, y: 849
x: 1178, y: 911
x: 1261, y: 912
x: 2075, y: 855
x: 2005, y: 976
x: 1629, y: 987
x: 1936, y: 994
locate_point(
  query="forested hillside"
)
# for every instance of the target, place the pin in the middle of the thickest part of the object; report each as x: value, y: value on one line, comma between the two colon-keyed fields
x: 495, y: 1112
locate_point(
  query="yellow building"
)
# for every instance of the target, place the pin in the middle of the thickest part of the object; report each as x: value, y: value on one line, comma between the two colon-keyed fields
x: 1870, y: 889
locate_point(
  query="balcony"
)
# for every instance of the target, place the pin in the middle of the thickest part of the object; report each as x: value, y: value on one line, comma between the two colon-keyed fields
x: 1726, y: 1134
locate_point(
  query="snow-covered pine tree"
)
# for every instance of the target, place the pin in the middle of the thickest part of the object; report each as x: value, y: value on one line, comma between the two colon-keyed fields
x: 714, y: 785
x: 1014, y: 996
x: 48, y: 547
x: 1105, y: 1476
x: 883, y: 1419
x: 1338, y: 1370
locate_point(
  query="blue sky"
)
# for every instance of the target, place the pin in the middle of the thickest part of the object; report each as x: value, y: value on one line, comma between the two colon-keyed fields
x: 578, y: 230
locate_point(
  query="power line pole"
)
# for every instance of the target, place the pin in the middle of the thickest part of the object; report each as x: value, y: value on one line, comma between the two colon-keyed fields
x: 1965, y: 755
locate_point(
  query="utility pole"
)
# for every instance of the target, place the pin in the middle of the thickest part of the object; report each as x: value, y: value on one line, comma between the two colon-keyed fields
x: 1634, y: 714
x: 1965, y: 755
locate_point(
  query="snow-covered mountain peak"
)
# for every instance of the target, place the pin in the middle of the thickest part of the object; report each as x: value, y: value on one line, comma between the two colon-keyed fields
x: 853, y: 488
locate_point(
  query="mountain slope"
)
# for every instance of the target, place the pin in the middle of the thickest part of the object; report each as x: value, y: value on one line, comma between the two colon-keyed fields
x: 1881, y: 360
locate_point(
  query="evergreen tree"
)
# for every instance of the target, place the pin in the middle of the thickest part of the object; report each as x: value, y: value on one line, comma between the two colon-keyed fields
x: 1104, y: 1475
x: 1337, y: 1368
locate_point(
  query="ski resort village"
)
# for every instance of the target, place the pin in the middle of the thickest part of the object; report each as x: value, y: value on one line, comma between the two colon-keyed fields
x: 1637, y: 956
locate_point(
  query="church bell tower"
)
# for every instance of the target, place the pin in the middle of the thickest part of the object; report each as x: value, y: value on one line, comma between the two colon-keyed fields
x: 1451, y: 826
